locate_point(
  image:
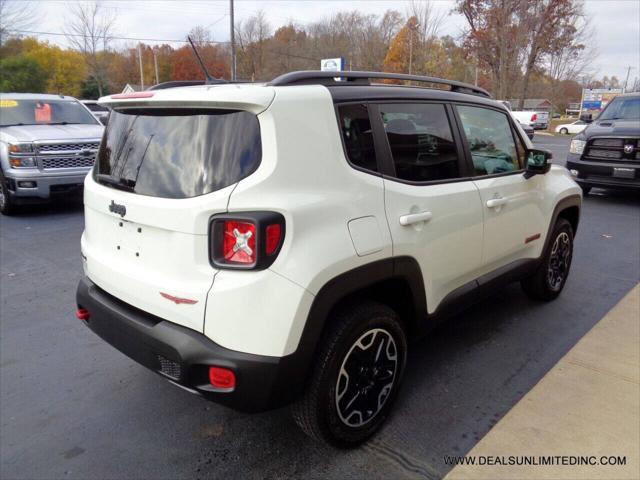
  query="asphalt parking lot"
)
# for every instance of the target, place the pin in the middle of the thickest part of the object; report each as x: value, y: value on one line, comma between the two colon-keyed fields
x: 71, y: 406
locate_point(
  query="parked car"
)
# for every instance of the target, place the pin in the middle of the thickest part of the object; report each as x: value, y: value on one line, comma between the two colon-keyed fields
x: 48, y: 144
x: 528, y: 129
x: 259, y: 254
x: 99, y: 111
x: 607, y: 152
x: 571, y: 128
x: 538, y: 120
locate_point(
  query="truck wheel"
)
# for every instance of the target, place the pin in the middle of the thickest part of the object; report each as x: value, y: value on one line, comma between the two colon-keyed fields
x: 551, y: 275
x: 356, y: 376
x: 585, y: 189
x: 6, y: 202
x: 564, y: 131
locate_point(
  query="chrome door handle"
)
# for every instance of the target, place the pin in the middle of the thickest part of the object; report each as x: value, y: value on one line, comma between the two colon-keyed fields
x: 497, y: 202
x: 412, y: 218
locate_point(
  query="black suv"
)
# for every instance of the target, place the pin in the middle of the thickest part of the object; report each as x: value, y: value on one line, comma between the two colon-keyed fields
x: 607, y: 153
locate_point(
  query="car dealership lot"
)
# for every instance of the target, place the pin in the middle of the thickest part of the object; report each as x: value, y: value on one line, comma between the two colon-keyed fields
x: 73, y: 407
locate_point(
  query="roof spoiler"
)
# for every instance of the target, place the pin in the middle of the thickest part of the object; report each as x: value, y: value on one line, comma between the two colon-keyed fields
x: 317, y: 77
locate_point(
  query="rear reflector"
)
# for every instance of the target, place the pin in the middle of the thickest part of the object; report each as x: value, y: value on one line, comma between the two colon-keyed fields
x: 273, y: 234
x: 82, y: 314
x: 221, y: 377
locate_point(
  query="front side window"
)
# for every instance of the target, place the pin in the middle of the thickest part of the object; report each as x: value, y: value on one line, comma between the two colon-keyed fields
x: 178, y: 153
x: 421, y: 141
x: 357, y: 135
x: 491, y: 142
x: 43, y: 112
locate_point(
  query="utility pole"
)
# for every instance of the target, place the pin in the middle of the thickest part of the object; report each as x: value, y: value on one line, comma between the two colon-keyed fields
x: 140, y: 61
x: 410, y: 48
x: 233, y: 43
x: 627, y: 79
x: 155, y: 63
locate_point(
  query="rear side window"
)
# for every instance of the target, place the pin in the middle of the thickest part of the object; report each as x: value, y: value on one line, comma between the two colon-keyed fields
x: 357, y: 136
x: 491, y: 142
x: 178, y: 153
x: 421, y: 141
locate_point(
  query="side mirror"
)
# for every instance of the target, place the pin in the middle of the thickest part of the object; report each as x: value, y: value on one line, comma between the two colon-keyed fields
x: 586, y: 117
x: 538, y: 162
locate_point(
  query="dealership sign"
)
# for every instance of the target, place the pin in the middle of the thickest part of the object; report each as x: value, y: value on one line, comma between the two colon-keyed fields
x: 595, y: 99
x: 332, y: 64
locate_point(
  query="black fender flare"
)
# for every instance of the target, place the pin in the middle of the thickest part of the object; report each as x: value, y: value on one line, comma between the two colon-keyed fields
x: 565, y: 203
x: 341, y: 287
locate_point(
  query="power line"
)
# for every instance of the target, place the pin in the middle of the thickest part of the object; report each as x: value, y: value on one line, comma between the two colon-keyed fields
x: 138, y: 39
x: 34, y: 32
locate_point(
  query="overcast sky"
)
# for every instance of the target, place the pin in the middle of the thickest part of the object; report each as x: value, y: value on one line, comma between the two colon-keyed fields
x: 616, y: 22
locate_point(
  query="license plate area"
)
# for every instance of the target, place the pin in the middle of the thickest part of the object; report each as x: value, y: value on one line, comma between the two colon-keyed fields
x: 621, y: 172
x: 128, y: 238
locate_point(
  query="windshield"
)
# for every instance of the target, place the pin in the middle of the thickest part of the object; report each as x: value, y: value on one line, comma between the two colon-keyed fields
x: 43, y: 112
x: 622, y: 108
x: 177, y: 153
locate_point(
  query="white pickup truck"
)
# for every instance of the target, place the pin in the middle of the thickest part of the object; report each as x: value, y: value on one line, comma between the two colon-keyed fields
x: 537, y: 120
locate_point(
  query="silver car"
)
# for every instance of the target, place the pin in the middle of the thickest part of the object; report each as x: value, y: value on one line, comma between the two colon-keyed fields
x: 48, y: 144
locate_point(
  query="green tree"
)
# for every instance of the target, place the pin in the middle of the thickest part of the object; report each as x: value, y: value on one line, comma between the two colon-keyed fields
x: 21, y: 74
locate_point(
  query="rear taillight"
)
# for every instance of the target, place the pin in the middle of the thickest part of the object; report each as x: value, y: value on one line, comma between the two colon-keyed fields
x: 249, y: 240
x: 239, y: 242
x: 534, y: 117
x: 82, y: 314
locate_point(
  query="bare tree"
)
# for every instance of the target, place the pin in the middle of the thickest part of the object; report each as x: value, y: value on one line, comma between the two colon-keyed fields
x: 570, y: 60
x: 16, y: 16
x: 429, y: 19
x: 200, y: 36
x: 90, y: 30
x: 549, y: 23
x: 252, y: 34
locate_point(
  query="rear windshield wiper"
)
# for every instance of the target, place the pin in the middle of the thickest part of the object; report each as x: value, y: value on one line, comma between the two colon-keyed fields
x: 59, y: 123
x: 120, y: 183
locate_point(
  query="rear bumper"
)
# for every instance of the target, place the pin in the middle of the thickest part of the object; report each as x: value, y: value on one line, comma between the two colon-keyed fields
x: 601, y: 174
x: 45, y: 186
x: 183, y: 356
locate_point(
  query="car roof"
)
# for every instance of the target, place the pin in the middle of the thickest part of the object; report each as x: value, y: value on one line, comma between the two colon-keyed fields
x: 381, y: 92
x: 36, y: 96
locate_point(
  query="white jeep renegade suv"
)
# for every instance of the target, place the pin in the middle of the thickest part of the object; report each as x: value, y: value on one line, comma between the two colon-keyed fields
x: 265, y: 244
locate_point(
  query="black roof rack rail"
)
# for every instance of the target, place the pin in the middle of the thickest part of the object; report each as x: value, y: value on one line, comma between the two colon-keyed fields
x: 310, y: 77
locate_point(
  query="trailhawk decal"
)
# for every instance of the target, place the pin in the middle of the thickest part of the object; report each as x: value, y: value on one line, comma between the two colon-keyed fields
x: 178, y: 300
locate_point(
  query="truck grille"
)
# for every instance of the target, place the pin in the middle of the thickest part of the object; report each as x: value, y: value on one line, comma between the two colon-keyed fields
x: 67, y: 147
x: 616, y: 149
x: 67, y: 155
x: 68, y: 162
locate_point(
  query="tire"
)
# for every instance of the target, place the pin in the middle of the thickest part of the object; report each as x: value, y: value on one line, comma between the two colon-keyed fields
x: 551, y: 275
x: 7, y: 206
x: 564, y: 131
x: 325, y: 411
x: 585, y: 189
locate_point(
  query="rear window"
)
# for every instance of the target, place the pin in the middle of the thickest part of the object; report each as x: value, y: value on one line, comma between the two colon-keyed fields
x: 177, y: 153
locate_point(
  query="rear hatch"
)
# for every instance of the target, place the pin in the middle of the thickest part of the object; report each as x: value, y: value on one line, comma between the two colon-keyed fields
x: 161, y: 173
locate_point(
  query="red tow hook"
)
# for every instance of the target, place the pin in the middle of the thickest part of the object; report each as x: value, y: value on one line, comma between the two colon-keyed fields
x: 82, y: 314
